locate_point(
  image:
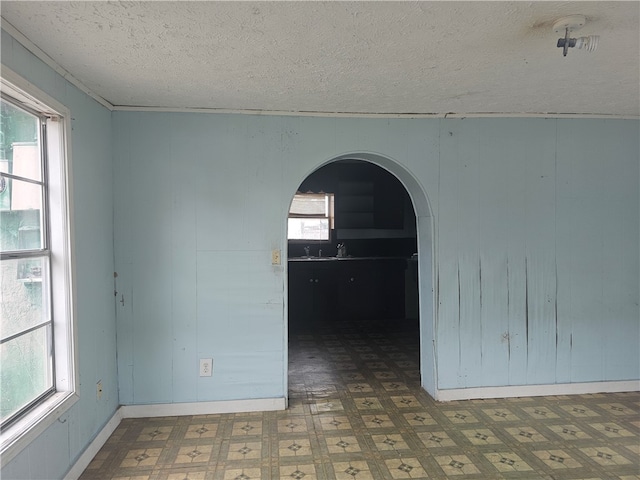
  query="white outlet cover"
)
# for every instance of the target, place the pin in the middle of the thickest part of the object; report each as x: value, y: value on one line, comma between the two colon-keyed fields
x: 206, y: 367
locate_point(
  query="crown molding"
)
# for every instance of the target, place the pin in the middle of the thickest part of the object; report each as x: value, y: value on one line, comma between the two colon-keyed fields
x: 289, y: 113
x: 40, y: 54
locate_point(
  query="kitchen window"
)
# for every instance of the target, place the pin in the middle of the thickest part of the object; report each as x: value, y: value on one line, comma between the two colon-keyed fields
x: 37, y: 374
x: 311, y: 217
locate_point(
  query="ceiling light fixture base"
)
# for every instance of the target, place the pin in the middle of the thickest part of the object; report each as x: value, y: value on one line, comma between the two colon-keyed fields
x: 570, y: 22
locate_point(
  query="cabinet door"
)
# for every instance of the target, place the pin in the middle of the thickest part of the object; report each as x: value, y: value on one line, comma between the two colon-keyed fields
x: 300, y: 296
x: 323, y: 303
x: 311, y: 295
x: 358, y: 292
x: 392, y: 289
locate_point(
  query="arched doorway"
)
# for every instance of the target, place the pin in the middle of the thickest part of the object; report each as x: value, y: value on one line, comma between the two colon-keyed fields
x: 422, y: 261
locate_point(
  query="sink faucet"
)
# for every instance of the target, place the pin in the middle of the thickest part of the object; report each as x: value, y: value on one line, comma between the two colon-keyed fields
x: 306, y: 251
x: 319, y: 252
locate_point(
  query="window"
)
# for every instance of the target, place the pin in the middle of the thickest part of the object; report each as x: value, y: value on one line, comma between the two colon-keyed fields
x: 311, y: 216
x: 37, y: 375
x: 26, y: 353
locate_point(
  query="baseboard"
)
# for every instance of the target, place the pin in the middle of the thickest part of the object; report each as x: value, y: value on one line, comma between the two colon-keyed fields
x: 270, y: 404
x: 164, y: 410
x: 94, y: 447
x: 202, y: 408
x: 449, y: 395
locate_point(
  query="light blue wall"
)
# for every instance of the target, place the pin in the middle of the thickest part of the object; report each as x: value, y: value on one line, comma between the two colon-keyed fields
x: 536, y: 235
x: 538, y: 230
x: 56, y: 450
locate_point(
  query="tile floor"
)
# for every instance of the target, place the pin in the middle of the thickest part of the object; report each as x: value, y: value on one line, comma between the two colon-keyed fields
x: 357, y: 412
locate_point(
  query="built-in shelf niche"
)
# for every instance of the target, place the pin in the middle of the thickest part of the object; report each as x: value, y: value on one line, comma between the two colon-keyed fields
x: 355, y: 205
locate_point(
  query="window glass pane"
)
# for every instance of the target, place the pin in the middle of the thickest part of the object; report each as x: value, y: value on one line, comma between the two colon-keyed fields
x: 26, y: 370
x: 24, y: 293
x: 19, y: 148
x: 20, y: 224
x: 308, y: 229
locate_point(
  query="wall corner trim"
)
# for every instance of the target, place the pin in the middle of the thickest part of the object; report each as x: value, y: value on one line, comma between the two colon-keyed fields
x: 537, y: 390
x: 94, y: 447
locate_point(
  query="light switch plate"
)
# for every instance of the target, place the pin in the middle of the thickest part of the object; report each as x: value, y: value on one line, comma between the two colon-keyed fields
x: 275, y: 257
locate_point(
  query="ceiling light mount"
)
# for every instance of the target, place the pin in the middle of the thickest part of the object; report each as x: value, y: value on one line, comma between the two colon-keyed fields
x: 567, y: 25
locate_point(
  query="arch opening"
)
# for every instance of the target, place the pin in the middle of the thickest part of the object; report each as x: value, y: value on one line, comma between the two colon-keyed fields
x: 312, y: 268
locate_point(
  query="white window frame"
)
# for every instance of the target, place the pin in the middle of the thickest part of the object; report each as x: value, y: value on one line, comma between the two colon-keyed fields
x: 329, y: 215
x: 28, y: 427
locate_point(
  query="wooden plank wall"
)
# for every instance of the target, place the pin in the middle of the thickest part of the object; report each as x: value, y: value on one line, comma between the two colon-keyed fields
x: 537, y: 269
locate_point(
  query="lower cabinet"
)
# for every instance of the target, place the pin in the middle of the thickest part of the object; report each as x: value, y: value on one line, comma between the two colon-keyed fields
x: 391, y: 289
x: 311, y: 294
x: 358, y: 290
x: 325, y: 292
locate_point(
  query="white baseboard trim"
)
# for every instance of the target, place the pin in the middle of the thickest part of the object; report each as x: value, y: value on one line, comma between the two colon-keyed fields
x: 94, y: 447
x: 168, y: 410
x: 537, y: 390
x: 202, y: 408
x: 270, y: 404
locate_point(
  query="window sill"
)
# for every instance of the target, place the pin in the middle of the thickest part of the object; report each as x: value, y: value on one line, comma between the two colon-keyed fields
x: 19, y: 435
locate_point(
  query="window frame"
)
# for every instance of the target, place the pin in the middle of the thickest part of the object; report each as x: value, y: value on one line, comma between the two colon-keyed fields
x: 58, y: 235
x: 43, y: 253
x: 330, y: 216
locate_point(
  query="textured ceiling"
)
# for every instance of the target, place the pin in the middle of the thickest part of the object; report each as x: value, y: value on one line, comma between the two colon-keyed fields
x: 353, y: 57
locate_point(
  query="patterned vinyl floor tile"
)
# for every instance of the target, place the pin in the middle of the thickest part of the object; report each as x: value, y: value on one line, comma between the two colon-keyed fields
x: 357, y: 412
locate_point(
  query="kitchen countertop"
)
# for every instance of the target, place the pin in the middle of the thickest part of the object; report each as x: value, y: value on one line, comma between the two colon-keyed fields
x: 342, y: 259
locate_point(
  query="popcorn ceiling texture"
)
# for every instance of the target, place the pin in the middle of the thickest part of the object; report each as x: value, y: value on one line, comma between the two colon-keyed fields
x: 355, y: 57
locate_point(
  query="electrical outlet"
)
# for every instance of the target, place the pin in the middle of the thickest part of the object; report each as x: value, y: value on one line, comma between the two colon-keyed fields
x: 206, y: 367
x: 99, y: 390
x: 275, y: 257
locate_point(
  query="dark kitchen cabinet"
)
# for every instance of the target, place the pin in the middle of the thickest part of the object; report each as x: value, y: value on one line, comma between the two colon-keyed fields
x: 311, y: 294
x: 377, y: 204
x: 325, y: 292
x: 372, y: 289
x: 359, y: 287
x: 391, y: 288
x: 355, y: 205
